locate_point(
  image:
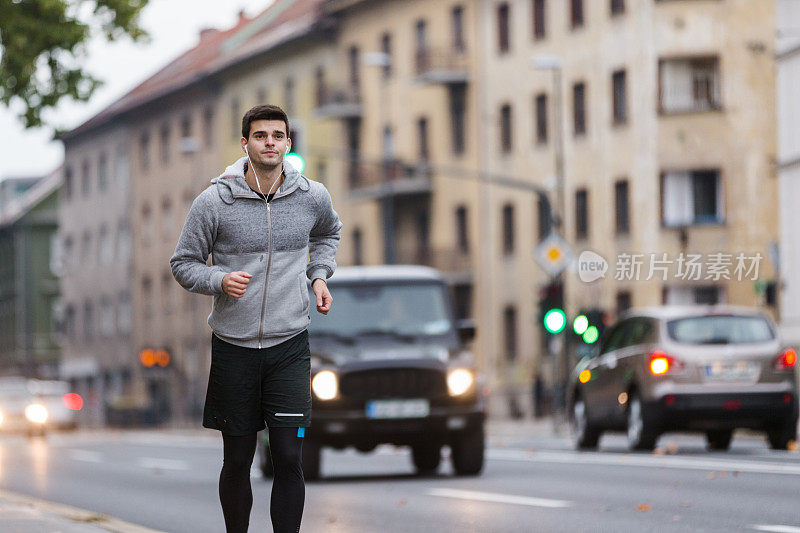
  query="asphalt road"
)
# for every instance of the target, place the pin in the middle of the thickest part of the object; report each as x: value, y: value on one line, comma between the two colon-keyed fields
x: 168, y: 481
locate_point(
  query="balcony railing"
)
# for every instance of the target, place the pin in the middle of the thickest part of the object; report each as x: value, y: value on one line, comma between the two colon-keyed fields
x: 441, y: 66
x: 339, y: 102
x: 444, y: 259
x: 388, y: 177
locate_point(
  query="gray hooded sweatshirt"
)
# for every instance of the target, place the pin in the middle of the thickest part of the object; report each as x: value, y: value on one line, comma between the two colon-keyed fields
x: 281, y: 243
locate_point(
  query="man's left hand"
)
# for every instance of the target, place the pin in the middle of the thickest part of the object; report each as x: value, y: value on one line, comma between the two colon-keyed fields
x: 324, y: 298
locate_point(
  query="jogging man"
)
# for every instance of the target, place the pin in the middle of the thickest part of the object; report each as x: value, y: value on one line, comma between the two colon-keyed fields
x: 267, y: 228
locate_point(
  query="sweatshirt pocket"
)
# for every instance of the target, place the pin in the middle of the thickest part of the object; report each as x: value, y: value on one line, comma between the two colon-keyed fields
x: 238, y: 318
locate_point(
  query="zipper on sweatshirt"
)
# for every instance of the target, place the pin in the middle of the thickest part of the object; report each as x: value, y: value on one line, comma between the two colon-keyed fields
x: 266, y: 280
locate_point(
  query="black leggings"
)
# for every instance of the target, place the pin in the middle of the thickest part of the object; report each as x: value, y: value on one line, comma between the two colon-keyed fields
x: 288, y: 487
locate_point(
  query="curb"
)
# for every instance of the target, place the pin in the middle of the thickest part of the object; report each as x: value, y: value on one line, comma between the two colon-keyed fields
x: 74, y: 514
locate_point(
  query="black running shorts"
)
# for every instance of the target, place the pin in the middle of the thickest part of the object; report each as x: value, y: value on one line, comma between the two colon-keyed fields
x: 248, y: 387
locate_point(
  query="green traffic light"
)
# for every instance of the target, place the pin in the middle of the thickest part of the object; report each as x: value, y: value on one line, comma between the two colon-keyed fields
x: 580, y: 324
x: 555, y: 320
x: 296, y: 160
x: 590, y: 335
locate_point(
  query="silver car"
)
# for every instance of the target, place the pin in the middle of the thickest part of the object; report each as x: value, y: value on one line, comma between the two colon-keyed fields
x: 702, y: 368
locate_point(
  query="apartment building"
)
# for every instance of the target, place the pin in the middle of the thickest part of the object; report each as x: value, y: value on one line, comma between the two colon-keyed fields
x: 788, y: 112
x: 667, y: 112
x: 131, y: 174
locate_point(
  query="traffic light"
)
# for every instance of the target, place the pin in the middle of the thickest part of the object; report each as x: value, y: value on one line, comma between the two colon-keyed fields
x: 551, y: 308
x: 589, y: 325
x: 296, y: 160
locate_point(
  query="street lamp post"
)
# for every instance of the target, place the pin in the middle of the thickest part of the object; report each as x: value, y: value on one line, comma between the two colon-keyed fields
x: 554, y: 65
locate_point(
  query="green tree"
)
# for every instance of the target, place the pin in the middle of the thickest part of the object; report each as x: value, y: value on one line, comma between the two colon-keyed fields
x: 43, y: 46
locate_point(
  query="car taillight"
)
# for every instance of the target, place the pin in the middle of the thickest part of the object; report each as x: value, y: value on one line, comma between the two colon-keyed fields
x: 785, y: 360
x: 661, y: 363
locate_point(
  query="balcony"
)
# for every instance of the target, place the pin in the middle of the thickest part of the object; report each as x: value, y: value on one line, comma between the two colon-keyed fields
x: 338, y: 102
x: 375, y: 180
x: 441, y: 66
x: 452, y: 261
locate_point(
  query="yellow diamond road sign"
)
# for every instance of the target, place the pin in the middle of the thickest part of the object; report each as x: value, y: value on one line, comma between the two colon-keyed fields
x: 553, y: 254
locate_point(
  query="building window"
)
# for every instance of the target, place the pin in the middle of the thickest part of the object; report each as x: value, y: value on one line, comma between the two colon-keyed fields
x: 67, y: 187
x: 87, y: 253
x: 457, y: 15
x: 261, y: 96
x: 617, y: 7
x: 352, y: 55
x: 386, y: 48
x: 462, y: 300
x: 144, y: 151
x: 510, y: 332
x: 86, y: 179
x: 422, y: 136
x: 147, y: 298
x: 88, y: 321
x: 581, y: 214
x: 164, y: 145
x: 167, y: 292
x: 106, y: 317
x: 618, y: 83
x: 506, y: 141
x: 148, y: 226
x: 208, y: 126
x: 693, y: 295
x: 623, y: 301
x: 69, y: 322
x: 289, y: 96
x: 544, y: 217
x: 579, y: 108
x: 461, y: 229
x: 319, y: 86
x: 188, y: 143
x: 124, y: 315
x: 422, y: 53
x: 576, y: 13
x: 541, y: 118
x: 167, y: 218
x: 123, y: 241
x: 458, y: 105
x: 503, y: 37
x: 508, y: 229
x: 353, y: 146
x: 358, y: 250
x: 621, y: 206
x: 105, y: 245
x: 423, y: 233
x: 236, y: 119
x: 689, y: 84
x: 102, y: 172
x: 539, y: 29
x: 691, y: 197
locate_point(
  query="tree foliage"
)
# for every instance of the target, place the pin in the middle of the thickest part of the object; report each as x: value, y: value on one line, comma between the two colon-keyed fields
x: 43, y: 45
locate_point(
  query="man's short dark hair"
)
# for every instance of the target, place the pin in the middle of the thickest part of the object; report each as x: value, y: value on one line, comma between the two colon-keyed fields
x: 263, y: 112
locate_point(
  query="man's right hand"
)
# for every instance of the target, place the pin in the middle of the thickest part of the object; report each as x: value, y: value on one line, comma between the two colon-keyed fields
x: 235, y: 283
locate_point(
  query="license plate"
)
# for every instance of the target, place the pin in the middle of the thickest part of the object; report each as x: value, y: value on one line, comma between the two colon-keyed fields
x: 732, y: 371
x: 419, y: 408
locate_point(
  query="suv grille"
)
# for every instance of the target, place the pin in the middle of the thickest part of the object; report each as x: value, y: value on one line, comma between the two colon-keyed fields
x: 393, y: 383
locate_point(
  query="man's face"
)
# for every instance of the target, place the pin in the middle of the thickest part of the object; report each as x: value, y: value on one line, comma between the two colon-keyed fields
x: 268, y: 142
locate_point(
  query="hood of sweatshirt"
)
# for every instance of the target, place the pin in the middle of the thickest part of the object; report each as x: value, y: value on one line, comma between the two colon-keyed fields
x: 232, y: 185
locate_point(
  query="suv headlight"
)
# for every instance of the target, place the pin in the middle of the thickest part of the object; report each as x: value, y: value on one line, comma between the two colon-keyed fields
x: 325, y: 385
x: 36, y: 413
x: 459, y: 381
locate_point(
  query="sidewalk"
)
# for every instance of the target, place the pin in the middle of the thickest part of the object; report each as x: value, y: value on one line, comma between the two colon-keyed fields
x: 24, y: 514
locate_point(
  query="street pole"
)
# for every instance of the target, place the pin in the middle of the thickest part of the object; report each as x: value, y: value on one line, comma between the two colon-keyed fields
x: 560, y: 367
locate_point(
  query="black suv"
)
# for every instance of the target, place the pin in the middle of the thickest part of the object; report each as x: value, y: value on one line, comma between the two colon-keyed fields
x: 388, y: 367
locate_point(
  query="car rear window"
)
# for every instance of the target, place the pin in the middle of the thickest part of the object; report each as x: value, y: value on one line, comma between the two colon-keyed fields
x: 721, y: 329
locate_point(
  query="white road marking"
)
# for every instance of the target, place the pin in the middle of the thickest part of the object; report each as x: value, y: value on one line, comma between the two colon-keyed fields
x: 162, y: 464
x: 499, y: 498
x: 777, y: 529
x: 85, y: 455
x: 650, y: 461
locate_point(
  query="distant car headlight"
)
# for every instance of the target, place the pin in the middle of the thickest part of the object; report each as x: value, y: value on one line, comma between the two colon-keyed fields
x: 36, y: 413
x: 325, y: 385
x: 459, y: 381
x: 1, y: 419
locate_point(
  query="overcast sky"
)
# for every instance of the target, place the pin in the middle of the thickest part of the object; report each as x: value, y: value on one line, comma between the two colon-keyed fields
x: 174, y: 27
